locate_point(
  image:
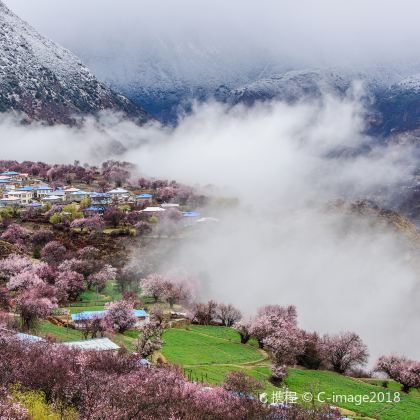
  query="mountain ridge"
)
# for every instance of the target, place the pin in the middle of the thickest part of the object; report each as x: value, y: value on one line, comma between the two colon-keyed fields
x: 48, y: 82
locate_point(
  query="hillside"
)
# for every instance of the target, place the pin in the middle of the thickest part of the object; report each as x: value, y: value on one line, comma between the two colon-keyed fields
x: 48, y: 82
x: 208, y: 353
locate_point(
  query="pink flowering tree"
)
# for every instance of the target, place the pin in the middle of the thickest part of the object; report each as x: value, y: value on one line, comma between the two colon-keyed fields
x: 285, y: 344
x: 154, y: 286
x: 311, y: 357
x: 106, y: 385
x: 42, y: 237
x: 53, y: 253
x: 35, y: 304
x: 242, y: 384
x: 89, y: 224
x: 99, y: 279
x: 400, y: 369
x: 95, y: 272
x: 24, y: 280
x: 10, y: 409
x: 89, y: 253
x: 70, y: 285
x: 344, y: 351
x: 114, y: 216
x: 95, y: 326
x: 177, y: 291
x: 150, y: 339
x: 143, y: 228
x: 119, y: 315
x: 12, y: 265
x: 15, y: 234
x: 268, y: 318
x: 243, y: 327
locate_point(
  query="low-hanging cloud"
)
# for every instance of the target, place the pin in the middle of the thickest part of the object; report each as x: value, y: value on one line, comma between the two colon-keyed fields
x: 285, y: 242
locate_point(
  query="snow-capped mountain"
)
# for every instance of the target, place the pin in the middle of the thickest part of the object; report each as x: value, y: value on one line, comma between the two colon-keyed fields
x: 46, y: 81
x: 165, y: 78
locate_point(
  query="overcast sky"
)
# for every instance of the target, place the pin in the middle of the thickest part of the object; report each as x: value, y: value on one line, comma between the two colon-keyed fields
x: 296, y: 31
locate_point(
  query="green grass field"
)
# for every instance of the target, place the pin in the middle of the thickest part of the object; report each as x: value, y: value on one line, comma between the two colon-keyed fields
x: 208, y: 353
x: 207, y: 345
x: 60, y: 333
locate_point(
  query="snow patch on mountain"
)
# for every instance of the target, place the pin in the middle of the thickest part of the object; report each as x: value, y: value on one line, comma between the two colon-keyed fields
x: 46, y: 81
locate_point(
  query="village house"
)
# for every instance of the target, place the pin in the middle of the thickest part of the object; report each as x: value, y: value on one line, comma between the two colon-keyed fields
x: 69, y: 191
x: 28, y: 189
x: 80, y: 318
x: 119, y: 194
x: 78, y: 196
x: 102, y: 199
x: 52, y: 199
x: 5, y: 184
x: 42, y: 191
x: 22, y: 197
x: 144, y: 197
x: 10, y: 174
x: 9, y: 201
x: 57, y: 193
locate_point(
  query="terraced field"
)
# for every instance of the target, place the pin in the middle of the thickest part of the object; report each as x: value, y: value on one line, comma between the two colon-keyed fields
x: 208, y: 353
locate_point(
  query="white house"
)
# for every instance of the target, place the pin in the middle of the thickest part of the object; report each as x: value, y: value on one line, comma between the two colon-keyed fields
x: 57, y: 193
x: 20, y: 197
x: 69, y: 191
x: 119, y: 194
x: 52, y: 199
x: 9, y: 201
x: 41, y: 191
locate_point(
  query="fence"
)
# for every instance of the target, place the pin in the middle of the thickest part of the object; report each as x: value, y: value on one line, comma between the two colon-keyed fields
x: 88, y: 303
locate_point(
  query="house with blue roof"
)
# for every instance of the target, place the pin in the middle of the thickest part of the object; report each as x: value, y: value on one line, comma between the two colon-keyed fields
x: 100, y: 198
x: 95, y: 209
x: 142, y: 197
x: 119, y: 194
x: 42, y: 191
x: 11, y: 174
x: 78, y: 196
x: 79, y: 318
x: 57, y: 193
x: 5, y: 184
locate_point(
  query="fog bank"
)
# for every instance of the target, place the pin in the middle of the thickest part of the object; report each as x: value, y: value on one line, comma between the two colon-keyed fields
x: 285, y: 242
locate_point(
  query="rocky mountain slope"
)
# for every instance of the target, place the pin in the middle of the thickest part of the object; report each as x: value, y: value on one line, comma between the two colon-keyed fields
x: 166, y: 79
x: 47, y: 82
